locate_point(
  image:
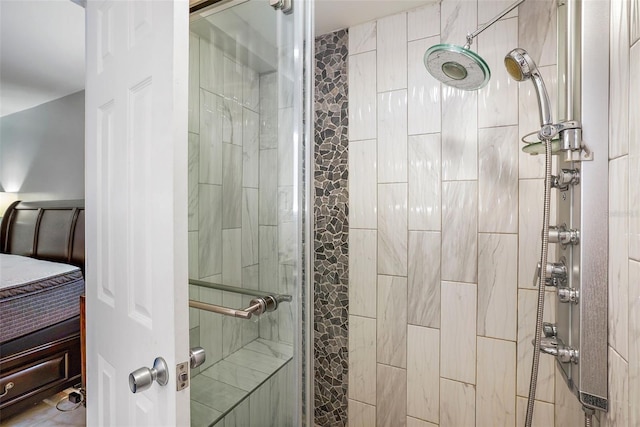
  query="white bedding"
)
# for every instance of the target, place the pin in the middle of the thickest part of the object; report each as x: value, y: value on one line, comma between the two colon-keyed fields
x: 16, y: 270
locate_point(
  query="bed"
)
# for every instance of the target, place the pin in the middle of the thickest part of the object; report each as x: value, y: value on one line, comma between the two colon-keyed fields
x: 41, y: 269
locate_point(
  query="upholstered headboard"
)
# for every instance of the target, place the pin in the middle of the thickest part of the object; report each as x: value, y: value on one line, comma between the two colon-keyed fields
x: 50, y: 230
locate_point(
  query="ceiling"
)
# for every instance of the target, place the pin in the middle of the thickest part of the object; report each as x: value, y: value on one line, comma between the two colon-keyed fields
x: 41, y: 52
x: 42, y: 43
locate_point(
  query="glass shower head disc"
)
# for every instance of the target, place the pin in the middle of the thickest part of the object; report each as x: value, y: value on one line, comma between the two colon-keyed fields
x: 457, y: 67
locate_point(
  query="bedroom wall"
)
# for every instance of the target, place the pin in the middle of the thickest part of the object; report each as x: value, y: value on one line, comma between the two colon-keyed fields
x: 42, y: 150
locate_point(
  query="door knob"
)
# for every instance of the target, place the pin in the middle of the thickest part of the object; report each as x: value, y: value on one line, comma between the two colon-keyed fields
x: 197, y: 357
x: 141, y: 379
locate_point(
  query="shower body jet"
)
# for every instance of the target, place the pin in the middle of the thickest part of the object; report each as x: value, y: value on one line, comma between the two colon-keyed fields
x: 459, y: 66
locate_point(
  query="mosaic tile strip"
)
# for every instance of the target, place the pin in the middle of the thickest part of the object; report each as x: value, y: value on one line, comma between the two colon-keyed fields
x: 331, y: 230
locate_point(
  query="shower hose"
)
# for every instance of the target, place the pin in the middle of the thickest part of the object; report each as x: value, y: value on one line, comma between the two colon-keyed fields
x: 541, y: 283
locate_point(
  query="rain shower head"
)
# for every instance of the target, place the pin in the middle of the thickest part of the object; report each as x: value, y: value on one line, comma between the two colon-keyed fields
x: 521, y: 67
x: 457, y: 66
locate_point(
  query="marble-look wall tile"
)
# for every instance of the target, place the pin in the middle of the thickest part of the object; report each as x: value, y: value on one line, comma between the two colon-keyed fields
x: 496, y: 388
x: 543, y: 413
x: 250, y: 149
x: 498, y: 100
x: 194, y: 83
x: 268, y: 256
x: 459, y: 231
x: 619, y: 255
x: 498, y: 179
x: 363, y: 184
x: 529, y: 119
x: 193, y: 255
x: 362, y: 360
x: 286, y: 175
x: 391, y: 42
x: 210, y: 138
x: 634, y: 146
x: 268, y: 200
x: 634, y: 342
x: 231, y: 186
x: 458, y: 333
x: 211, y: 328
x: 635, y: 21
x: 423, y: 376
x: 268, y: 110
x: 530, y: 230
x: 361, y: 414
x: 619, y: 78
x: 210, y: 230
x: 362, y: 96
x: 457, y: 404
x: 232, y: 256
x: 423, y: 22
x: 233, y: 80
x: 527, y: 303
x: 251, y: 89
x: 392, y: 229
x: 362, y: 37
x: 249, y: 226
x: 193, y: 178
x: 537, y: 31
x: 194, y: 313
x: 362, y: 272
x: 414, y: 422
x: 457, y: 18
x: 618, y: 414
x: 391, y: 340
x: 497, y: 285
x: 459, y: 133
x: 211, y: 68
x: 231, y: 327
x: 488, y: 9
x: 391, y: 410
x: 231, y: 120
x: 423, y: 90
x: 392, y: 136
x: 424, y: 182
x: 424, y: 279
x: 239, y: 416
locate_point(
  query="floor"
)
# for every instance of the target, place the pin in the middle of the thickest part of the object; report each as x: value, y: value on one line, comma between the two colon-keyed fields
x: 45, y: 414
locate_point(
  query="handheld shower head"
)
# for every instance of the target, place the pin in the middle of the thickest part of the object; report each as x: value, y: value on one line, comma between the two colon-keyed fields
x: 521, y: 67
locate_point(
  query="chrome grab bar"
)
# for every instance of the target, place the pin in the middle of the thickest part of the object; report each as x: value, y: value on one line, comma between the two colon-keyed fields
x: 257, y: 306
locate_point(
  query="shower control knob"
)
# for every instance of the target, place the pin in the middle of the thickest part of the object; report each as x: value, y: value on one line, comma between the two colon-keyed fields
x: 555, y: 347
x: 565, y: 178
x: 569, y: 295
x: 556, y: 273
x: 550, y: 330
x: 561, y: 234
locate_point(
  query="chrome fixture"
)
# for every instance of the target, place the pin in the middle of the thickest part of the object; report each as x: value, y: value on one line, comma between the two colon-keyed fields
x: 561, y: 234
x: 550, y: 330
x: 555, y: 275
x: 565, y: 178
x: 285, y: 6
x: 555, y: 347
x: 458, y: 66
x: 141, y: 379
x: 568, y: 295
x: 257, y: 306
x: 197, y: 356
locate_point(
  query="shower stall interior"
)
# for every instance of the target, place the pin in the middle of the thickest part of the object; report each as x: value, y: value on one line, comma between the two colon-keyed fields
x: 246, y: 196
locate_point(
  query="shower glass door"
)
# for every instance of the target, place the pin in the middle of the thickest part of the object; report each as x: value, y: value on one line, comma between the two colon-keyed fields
x: 246, y: 189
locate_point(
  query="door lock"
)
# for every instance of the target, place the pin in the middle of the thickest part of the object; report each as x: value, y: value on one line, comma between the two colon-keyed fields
x: 141, y: 379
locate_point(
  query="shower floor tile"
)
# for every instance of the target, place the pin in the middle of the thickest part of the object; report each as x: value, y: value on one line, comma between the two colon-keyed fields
x: 271, y: 348
x: 235, y: 375
x: 254, y: 360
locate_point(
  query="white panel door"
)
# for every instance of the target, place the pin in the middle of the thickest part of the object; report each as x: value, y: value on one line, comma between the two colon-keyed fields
x: 136, y: 207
